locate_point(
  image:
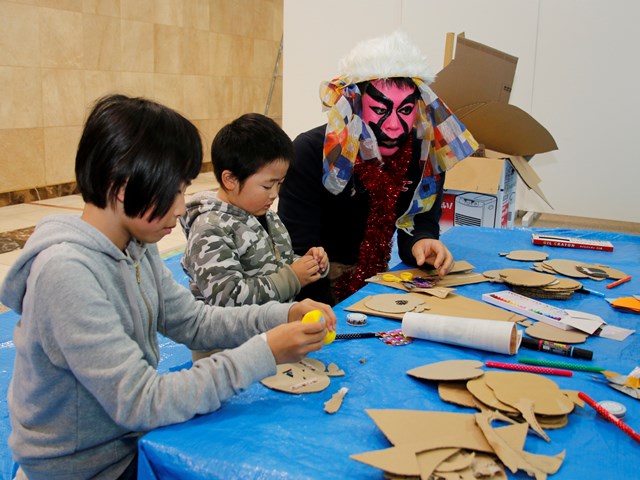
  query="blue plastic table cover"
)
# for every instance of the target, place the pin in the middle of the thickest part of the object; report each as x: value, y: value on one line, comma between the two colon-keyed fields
x: 267, y: 434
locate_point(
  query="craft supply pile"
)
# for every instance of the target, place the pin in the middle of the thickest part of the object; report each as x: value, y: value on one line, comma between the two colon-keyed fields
x: 499, y: 403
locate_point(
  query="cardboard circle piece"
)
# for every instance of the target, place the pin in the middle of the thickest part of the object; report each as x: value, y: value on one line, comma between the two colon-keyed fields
x: 565, y: 267
x: 527, y: 255
x: 612, y: 273
x: 564, y: 283
x: 542, y: 331
x: 526, y: 278
x: 448, y: 370
x: 393, y: 303
x: 512, y: 387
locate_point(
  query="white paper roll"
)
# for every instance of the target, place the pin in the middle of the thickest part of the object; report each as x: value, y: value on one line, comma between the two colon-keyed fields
x: 490, y: 335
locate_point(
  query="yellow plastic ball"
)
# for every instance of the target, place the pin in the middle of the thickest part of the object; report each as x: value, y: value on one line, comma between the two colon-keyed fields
x: 316, y: 316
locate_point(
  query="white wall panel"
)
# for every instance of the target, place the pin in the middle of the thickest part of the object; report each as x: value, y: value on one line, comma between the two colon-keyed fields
x: 577, y: 74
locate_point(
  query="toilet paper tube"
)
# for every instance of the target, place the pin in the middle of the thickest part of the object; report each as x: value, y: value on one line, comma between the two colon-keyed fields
x: 490, y: 335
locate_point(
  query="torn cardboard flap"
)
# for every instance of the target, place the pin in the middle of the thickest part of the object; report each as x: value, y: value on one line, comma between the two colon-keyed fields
x: 479, y: 191
x: 485, y: 174
x: 477, y: 74
x: 476, y: 85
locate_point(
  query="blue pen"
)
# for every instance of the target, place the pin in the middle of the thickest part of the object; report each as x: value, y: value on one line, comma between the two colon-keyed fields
x: 591, y: 292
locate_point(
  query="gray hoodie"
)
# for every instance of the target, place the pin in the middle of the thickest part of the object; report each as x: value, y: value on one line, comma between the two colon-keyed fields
x: 85, y: 384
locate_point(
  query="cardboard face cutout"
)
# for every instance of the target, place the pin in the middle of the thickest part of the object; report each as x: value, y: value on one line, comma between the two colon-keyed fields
x: 390, y: 111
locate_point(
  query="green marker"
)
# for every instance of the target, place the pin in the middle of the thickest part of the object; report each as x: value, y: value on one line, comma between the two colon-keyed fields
x: 568, y: 366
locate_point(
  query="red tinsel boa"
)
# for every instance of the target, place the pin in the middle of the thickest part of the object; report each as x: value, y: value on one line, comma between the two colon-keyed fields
x: 384, y: 185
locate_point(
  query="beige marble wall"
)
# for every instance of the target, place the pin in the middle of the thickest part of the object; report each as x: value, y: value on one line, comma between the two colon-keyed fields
x: 212, y: 60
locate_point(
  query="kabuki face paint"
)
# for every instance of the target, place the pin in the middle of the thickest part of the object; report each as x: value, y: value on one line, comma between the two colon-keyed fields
x: 390, y: 111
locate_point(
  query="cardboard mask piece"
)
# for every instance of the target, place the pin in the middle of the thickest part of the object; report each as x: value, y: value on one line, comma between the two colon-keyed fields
x: 395, y: 303
x: 454, y: 305
x: 543, y: 331
x: 306, y: 376
x: 448, y: 370
x: 480, y: 390
x: 514, y: 387
x: 457, y: 394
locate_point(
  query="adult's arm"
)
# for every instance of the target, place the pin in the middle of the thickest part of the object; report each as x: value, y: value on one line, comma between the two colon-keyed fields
x: 427, y: 225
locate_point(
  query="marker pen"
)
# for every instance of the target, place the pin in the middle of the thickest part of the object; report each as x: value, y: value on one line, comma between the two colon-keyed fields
x: 557, y: 348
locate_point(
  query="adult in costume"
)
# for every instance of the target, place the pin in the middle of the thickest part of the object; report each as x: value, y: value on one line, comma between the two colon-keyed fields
x: 377, y: 166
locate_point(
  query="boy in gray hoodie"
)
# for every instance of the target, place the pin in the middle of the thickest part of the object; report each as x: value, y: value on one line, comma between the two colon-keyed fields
x: 93, y: 292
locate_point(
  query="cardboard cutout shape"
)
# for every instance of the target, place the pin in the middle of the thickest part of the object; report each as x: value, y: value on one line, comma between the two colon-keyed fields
x: 306, y: 376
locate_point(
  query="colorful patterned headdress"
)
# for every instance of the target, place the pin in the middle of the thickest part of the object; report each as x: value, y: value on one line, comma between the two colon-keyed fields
x: 348, y: 139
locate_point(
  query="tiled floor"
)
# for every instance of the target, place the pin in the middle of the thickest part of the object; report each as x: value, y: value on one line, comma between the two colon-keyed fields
x: 17, y: 222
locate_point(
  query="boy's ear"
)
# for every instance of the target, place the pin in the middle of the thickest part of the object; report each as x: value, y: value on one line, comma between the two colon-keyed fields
x: 229, y: 181
x: 120, y: 194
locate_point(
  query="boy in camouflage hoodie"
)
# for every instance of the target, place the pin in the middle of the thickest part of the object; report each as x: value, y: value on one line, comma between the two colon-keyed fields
x: 238, y: 251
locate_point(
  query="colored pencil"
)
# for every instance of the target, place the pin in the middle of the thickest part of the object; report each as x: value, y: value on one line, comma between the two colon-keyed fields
x: 605, y: 413
x: 554, y: 364
x: 530, y: 369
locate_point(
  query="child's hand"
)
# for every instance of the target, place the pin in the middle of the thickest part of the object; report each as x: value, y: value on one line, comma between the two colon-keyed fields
x: 299, y: 309
x: 294, y: 340
x: 306, y: 269
x: 321, y: 257
x: 291, y: 342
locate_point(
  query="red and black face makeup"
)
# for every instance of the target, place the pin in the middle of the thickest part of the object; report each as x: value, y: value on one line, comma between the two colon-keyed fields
x: 389, y: 108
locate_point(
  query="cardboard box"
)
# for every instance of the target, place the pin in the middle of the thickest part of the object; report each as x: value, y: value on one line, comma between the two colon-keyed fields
x: 481, y: 191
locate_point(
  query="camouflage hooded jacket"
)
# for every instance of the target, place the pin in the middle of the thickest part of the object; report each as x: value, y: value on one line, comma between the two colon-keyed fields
x: 231, y: 259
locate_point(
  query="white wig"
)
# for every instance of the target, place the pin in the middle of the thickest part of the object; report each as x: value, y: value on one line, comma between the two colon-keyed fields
x: 385, y: 57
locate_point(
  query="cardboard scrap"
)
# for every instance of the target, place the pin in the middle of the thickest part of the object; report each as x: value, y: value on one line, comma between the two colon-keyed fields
x: 627, y: 384
x: 457, y: 461
x: 335, y: 402
x: 630, y: 304
x: 425, y: 442
x: 535, y: 465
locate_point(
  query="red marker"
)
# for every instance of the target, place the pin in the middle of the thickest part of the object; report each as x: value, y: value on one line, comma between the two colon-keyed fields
x: 619, y: 282
x: 530, y: 368
x: 605, y: 413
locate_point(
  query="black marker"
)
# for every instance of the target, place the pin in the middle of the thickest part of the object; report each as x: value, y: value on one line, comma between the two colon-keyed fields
x: 557, y: 348
x: 349, y: 336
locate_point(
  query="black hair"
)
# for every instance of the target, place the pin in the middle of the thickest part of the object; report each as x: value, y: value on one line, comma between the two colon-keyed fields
x: 135, y: 143
x: 247, y: 144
